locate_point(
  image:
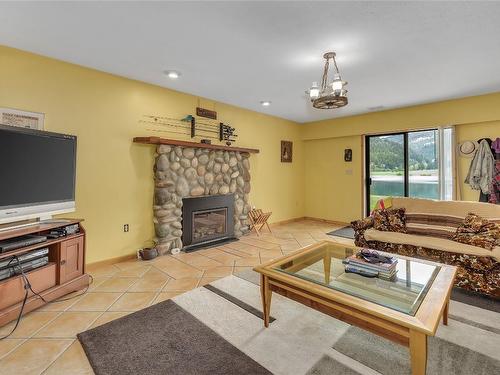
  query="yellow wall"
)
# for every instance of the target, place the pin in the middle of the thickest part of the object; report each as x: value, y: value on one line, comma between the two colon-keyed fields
x: 332, y: 186
x: 114, y: 176
x: 335, y: 195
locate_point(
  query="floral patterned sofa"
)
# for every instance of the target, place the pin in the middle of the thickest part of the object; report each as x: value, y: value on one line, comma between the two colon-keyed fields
x: 430, y: 226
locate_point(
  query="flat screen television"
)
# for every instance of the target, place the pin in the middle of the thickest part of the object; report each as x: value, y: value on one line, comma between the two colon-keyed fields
x: 37, y: 174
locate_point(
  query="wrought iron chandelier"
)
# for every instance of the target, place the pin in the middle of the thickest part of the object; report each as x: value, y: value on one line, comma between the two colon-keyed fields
x: 329, y: 95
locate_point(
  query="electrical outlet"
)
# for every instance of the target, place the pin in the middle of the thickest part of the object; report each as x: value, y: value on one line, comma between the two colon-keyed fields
x: 125, y: 228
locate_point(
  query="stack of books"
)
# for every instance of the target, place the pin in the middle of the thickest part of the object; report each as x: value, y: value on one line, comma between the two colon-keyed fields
x: 384, y: 271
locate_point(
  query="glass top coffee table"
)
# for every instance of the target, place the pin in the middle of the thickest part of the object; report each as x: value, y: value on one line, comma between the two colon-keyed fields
x: 405, y: 310
x: 323, y: 265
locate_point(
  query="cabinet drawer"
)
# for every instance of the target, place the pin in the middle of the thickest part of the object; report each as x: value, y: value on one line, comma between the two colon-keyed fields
x: 12, y: 290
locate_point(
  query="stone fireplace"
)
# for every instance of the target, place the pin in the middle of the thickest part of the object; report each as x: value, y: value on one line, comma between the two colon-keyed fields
x: 182, y: 173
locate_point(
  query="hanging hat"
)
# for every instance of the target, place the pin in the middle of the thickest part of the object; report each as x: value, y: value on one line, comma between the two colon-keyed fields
x: 467, y: 149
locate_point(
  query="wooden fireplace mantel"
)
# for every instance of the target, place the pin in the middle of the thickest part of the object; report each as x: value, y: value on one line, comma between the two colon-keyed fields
x: 175, y: 142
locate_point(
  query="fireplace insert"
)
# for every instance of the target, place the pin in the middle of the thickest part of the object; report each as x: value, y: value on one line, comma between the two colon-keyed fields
x: 207, y: 220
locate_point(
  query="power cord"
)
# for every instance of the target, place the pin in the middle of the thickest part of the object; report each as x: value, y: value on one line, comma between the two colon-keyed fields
x: 78, y: 295
x: 28, y: 287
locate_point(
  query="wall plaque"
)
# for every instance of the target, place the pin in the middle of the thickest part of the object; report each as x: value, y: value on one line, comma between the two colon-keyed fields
x: 286, y: 151
x: 22, y: 119
x: 202, y: 112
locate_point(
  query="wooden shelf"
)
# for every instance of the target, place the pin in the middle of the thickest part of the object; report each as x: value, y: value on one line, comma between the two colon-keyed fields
x: 174, y: 142
x: 36, y: 228
x: 39, y: 245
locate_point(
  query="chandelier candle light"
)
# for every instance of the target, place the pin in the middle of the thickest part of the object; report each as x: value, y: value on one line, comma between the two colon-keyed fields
x: 329, y: 95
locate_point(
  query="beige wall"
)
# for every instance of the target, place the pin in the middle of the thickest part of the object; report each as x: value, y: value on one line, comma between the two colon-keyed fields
x: 114, y: 175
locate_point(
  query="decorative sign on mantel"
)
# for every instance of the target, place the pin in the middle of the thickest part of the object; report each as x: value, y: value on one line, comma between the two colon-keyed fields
x: 22, y: 119
x: 190, y: 126
x: 202, y: 112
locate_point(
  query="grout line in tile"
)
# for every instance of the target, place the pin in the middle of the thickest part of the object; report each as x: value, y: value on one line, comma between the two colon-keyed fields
x: 158, y: 269
x: 190, y: 265
x: 22, y: 341
x: 60, y: 354
x: 59, y: 313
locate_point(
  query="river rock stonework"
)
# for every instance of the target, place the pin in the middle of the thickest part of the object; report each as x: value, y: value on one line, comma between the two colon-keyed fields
x: 186, y: 172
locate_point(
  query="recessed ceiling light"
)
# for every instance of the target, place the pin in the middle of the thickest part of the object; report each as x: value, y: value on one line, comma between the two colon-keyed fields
x: 172, y: 74
x: 265, y: 103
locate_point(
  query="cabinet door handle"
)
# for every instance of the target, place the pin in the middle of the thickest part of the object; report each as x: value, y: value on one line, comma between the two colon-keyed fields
x: 63, y: 262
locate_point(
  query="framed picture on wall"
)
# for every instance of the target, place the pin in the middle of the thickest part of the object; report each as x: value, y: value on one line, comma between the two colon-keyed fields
x: 22, y: 119
x: 286, y: 151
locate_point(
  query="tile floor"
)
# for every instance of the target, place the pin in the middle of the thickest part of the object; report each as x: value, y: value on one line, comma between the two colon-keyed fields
x: 45, y: 341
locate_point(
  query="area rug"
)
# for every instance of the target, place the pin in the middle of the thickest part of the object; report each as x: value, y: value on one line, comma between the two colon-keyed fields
x: 219, y: 329
x: 345, y: 232
x: 466, y: 346
x: 163, y: 339
x: 389, y: 358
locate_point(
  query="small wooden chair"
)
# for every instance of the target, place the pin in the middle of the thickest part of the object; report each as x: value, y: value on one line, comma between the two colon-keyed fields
x: 258, y: 219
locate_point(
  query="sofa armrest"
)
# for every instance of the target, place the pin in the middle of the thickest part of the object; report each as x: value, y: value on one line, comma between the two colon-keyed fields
x: 360, y: 226
x: 363, y: 224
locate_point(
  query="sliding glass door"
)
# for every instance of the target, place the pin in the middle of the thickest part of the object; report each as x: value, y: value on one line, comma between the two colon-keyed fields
x: 385, y: 167
x: 423, y: 175
x: 408, y: 164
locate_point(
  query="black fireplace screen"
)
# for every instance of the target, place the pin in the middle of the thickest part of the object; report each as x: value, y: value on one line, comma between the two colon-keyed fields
x: 207, y: 219
x: 209, y: 224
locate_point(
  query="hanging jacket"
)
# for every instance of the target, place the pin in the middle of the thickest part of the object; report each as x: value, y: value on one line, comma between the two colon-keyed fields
x: 481, y: 169
x: 495, y: 182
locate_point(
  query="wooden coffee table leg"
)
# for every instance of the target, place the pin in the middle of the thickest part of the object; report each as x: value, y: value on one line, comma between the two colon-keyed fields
x: 265, y: 292
x: 418, y: 352
x: 445, y: 313
x: 327, y: 264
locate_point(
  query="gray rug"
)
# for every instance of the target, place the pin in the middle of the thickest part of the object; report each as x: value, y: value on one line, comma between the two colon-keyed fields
x: 345, y: 232
x: 163, y: 339
x: 388, y: 358
x: 445, y: 357
x: 329, y: 366
x: 476, y: 299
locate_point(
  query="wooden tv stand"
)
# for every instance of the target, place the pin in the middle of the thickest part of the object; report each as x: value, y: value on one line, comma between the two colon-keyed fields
x: 65, y: 272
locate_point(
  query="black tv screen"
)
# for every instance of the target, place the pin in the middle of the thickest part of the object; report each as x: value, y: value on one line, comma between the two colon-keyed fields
x: 36, y: 167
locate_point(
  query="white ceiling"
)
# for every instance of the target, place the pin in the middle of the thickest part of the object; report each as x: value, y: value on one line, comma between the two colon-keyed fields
x: 393, y: 54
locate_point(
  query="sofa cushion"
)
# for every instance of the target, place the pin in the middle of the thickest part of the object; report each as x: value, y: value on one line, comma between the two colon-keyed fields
x: 442, y: 226
x: 391, y: 220
x: 441, y: 218
x: 457, y: 209
x: 431, y: 243
x: 478, y: 231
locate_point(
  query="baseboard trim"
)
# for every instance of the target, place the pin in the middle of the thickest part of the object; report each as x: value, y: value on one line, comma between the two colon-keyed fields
x: 107, y: 262
x: 334, y: 222
x: 288, y: 221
